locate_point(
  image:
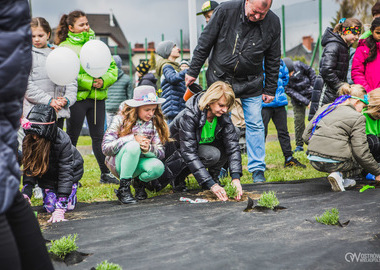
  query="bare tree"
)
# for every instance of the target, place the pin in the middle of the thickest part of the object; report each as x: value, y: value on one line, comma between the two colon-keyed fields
x: 361, y: 8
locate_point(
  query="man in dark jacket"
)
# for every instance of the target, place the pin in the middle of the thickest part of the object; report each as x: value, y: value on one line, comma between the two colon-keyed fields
x: 299, y: 89
x: 21, y: 243
x: 241, y: 34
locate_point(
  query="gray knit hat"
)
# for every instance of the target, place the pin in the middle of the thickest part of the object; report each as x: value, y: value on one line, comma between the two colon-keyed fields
x: 118, y: 61
x: 164, y: 48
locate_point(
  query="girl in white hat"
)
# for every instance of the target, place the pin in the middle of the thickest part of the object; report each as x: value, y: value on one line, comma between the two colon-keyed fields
x: 133, y: 143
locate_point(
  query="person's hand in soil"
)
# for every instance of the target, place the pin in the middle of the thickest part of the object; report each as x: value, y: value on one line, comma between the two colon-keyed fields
x: 219, y: 192
x: 58, y: 216
x: 236, y: 183
x: 377, y: 178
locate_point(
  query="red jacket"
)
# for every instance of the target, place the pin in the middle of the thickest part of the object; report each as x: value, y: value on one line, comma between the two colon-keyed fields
x: 366, y: 75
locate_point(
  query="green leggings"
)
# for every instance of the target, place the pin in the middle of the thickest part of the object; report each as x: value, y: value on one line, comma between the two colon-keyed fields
x: 130, y: 163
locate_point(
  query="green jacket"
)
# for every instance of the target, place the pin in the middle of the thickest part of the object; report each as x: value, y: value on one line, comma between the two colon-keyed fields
x: 372, y: 126
x: 366, y: 34
x: 341, y: 135
x: 75, y: 41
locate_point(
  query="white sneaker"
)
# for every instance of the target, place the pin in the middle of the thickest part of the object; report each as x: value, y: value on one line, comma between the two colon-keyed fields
x: 336, y: 181
x: 348, y: 183
x: 37, y: 191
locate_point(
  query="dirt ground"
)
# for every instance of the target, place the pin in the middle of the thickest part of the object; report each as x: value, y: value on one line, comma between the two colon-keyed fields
x: 166, y: 233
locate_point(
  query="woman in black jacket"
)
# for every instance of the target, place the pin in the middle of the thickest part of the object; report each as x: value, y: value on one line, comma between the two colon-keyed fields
x: 334, y: 62
x: 50, y: 160
x: 206, y: 138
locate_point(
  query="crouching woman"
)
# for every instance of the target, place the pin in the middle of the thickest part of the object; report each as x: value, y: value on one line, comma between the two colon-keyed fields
x: 207, y: 138
x: 133, y: 143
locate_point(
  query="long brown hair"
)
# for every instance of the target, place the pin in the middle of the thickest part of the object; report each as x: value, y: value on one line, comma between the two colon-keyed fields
x: 63, y: 26
x: 35, y: 155
x: 130, y: 118
x: 372, y: 43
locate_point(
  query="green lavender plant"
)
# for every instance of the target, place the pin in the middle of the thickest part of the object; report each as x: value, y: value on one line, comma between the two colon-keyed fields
x: 231, y: 190
x: 63, y: 246
x: 105, y: 265
x: 268, y: 200
x: 329, y: 217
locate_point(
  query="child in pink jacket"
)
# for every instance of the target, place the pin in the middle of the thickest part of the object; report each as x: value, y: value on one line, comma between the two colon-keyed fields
x: 366, y: 63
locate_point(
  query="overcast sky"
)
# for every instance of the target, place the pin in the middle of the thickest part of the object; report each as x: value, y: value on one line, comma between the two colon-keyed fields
x: 140, y: 19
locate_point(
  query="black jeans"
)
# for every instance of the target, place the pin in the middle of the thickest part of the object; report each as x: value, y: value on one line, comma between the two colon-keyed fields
x: 21, y: 243
x: 86, y: 108
x: 278, y: 115
x: 374, y: 146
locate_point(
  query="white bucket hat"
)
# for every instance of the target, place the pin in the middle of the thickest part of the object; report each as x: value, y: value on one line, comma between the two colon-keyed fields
x: 144, y: 95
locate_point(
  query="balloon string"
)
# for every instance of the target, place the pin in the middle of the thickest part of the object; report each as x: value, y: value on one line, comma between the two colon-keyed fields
x: 95, y: 109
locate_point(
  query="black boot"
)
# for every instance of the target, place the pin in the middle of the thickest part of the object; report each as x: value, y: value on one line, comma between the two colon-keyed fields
x: 179, y: 184
x: 140, y: 189
x: 124, y: 192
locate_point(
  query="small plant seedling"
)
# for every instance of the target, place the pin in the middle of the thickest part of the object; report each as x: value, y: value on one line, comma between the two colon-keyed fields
x: 329, y: 217
x: 268, y: 200
x: 231, y: 190
x: 105, y: 265
x: 64, y: 246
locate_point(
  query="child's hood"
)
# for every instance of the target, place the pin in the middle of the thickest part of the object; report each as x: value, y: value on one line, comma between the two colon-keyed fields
x: 42, y: 51
x: 330, y: 36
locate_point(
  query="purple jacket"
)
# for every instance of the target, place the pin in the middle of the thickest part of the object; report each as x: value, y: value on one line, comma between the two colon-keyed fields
x: 366, y: 75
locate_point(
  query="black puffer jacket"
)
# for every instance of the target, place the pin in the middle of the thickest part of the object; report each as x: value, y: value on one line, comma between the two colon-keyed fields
x: 301, y: 83
x: 15, y: 65
x: 187, y: 129
x: 332, y: 70
x: 238, y: 49
x: 64, y: 161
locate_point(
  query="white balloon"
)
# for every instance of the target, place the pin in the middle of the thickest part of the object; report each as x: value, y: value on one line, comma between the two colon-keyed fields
x: 62, y: 66
x: 95, y: 58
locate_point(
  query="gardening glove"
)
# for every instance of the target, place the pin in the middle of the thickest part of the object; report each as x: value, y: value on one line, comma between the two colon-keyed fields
x: 236, y: 183
x: 27, y: 198
x: 219, y: 192
x: 58, y: 215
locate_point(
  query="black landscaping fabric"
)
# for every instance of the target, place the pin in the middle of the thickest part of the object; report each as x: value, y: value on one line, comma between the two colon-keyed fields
x: 165, y: 233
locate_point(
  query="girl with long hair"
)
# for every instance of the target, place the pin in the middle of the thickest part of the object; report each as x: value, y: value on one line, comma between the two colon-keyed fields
x: 334, y: 62
x: 50, y: 160
x: 366, y: 63
x: 337, y: 141
x: 73, y: 32
x: 133, y: 143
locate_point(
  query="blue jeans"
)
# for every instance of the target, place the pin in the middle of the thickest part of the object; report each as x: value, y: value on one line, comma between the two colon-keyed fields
x: 255, y: 135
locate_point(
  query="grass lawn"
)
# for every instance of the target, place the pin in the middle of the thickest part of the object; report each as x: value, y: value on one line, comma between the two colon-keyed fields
x: 92, y: 190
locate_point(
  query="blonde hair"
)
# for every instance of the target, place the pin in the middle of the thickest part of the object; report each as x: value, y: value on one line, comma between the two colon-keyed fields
x: 215, y: 92
x: 374, y: 101
x: 355, y: 90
